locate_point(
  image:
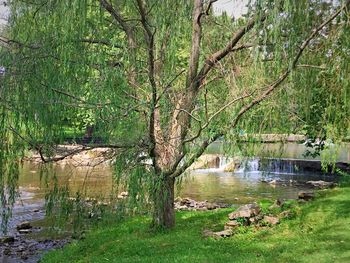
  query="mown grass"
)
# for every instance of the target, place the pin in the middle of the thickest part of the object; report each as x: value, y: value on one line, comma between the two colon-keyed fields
x: 320, y: 233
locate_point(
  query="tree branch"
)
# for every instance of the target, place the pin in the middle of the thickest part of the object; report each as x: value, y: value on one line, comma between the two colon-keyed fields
x: 196, y: 42
x: 213, y: 59
x: 272, y: 87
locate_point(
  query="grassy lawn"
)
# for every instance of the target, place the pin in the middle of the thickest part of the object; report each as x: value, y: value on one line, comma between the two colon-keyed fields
x: 320, y: 233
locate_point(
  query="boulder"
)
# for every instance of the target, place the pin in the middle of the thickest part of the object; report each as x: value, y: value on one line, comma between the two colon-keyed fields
x: 24, y: 225
x: 320, y: 184
x: 206, y: 161
x: 230, y: 167
x: 232, y: 224
x: 271, y: 220
x: 245, y: 211
x: 306, y: 195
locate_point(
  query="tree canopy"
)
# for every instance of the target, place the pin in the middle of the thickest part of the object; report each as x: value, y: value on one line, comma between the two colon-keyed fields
x: 162, y: 80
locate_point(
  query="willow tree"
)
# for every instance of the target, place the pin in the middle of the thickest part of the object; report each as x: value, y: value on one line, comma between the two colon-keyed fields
x: 161, y: 80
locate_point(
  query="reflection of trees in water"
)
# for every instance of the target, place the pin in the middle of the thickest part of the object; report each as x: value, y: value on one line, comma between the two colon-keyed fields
x: 89, y: 180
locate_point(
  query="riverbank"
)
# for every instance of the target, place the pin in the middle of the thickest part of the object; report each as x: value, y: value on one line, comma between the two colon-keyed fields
x: 320, y: 233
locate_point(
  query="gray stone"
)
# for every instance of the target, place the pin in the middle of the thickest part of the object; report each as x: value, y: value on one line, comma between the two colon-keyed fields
x: 271, y: 220
x: 232, y: 224
x: 245, y: 211
x: 320, y: 184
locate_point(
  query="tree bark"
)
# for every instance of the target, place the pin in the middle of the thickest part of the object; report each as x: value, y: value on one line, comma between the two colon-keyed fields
x: 163, y: 199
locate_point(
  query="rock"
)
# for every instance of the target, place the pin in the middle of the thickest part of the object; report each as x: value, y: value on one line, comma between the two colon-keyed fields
x: 211, y: 206
x: 24, y: 225
x: 271, y: 220
x: 178, y: 199
x: 224, y: 233
x: 7, y: 239
x: 273, y: 182
x: 222, y: 205
x: 24, y: 231
x: 186, y: 201
x: 206, y: 161
x: 306, y: 195
x: 231, y: 167
x: 253, y: 220
x: 232, y: 224
x: 245, y: 211
x: 183, y: 208
x: 192, y: 204
x: 320, y: 184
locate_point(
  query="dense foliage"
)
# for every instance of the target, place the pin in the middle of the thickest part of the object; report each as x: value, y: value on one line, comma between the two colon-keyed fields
x: 161, y: 80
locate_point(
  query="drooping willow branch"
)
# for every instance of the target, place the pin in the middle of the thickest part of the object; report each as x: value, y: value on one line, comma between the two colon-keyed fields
x: 82, y: 148
x: 177, y: 171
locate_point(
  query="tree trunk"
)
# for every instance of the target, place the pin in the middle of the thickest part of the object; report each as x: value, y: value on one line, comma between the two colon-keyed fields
x: 163, y: 198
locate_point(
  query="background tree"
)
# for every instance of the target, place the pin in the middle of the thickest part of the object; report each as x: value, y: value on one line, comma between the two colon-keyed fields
x: 162, y: 80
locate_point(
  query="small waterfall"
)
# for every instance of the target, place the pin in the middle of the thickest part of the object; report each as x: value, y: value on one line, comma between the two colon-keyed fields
x: 257, y: 165
x: 269, y: 165
x: 251, y: 165
x: 279, y: 166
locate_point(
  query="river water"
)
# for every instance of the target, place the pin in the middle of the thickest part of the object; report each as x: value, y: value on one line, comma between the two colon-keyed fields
x: 213, y: 184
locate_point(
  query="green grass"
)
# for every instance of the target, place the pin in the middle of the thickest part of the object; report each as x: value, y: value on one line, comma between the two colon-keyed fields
x: 320, y: 233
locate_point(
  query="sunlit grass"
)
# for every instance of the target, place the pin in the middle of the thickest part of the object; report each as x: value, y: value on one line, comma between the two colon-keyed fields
x: 320, y: 233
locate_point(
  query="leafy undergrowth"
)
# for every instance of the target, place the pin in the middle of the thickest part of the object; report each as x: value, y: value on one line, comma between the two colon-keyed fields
x: 320, y: 233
